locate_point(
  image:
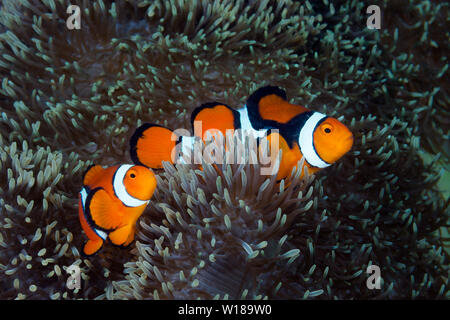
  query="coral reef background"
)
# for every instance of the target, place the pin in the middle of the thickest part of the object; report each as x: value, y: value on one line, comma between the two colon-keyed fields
x: 69, y: 98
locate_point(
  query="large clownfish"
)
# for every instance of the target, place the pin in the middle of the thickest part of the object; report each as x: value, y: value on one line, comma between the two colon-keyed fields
x: 110, y: 202
x: 320, y: 139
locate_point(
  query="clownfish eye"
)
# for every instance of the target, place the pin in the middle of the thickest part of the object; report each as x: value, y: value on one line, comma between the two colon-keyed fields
x: 132, y: 175
x: 327, y: 128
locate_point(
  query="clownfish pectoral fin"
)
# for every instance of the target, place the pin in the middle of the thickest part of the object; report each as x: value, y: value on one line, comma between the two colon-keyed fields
x: 268, y: 107
x: 103, y: 210
x: 122, y: 236
x: 289, y: 158
x: 92, y: 173
x: 214, y: 116
x: 91, y: 247
x: 151, y: 144
x: 130, y: 236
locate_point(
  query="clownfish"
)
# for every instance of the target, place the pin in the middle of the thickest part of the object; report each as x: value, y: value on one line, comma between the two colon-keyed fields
x: 320, y: 139
x: 110, y: 203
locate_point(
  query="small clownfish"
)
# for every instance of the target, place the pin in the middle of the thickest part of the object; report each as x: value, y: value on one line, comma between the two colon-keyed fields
x: 320, y: 139
x: 110, y: 203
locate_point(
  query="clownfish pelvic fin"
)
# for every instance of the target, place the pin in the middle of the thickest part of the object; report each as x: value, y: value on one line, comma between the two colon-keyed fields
x: 91, y: 247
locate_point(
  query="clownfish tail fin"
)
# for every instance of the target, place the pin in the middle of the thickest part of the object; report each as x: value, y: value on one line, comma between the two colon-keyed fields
x: 151, y: 144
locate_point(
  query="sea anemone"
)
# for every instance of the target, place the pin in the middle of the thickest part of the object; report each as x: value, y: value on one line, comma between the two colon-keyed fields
x: 216, y: 234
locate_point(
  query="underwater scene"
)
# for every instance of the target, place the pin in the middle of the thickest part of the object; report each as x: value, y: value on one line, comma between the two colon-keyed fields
x: 224, y: 149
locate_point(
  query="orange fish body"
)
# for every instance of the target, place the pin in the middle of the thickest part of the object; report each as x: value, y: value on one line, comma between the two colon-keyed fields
x: 110, y: 203
x: 319, y: 139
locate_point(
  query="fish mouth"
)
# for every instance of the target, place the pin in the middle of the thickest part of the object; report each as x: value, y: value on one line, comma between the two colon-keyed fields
x: 347, y: 143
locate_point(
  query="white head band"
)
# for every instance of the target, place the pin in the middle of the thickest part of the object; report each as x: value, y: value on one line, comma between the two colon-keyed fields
x: 306, y: 141
x: 121, y: 191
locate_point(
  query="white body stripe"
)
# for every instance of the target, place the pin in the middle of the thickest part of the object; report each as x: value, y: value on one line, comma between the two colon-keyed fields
x: 83, y: 194
x: 306, y: 141
x: 101, y: 234
x: 246, y: 125
x: 187, y: 145
x: 121, y: 191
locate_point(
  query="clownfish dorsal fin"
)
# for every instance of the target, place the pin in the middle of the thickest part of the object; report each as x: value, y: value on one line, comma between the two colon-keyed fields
x: 151, y: 144
x: 268, y: 107
x: 214, y: 115
x: 92, y: 173
x: 104, y: 211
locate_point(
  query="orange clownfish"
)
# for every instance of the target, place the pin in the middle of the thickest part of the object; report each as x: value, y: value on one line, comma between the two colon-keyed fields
x: 110, y: 202
x: 320, y: 139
